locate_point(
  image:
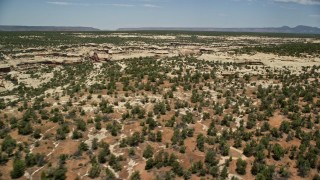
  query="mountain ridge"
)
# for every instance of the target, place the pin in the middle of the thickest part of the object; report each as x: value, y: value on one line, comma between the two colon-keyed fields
x: 46, y: 28
x: 300, y: 29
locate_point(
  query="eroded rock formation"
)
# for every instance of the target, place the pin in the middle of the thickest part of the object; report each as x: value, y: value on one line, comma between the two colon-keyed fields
x: 189, y: 52
x: 95, y: 57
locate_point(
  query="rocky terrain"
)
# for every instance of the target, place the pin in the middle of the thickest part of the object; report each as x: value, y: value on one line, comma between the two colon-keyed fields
x: 163, y: 105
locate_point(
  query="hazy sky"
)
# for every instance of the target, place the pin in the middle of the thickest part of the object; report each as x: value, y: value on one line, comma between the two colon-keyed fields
x: 112, y: 14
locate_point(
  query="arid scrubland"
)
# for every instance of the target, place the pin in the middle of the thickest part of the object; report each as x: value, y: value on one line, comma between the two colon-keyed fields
x: 159, y: 105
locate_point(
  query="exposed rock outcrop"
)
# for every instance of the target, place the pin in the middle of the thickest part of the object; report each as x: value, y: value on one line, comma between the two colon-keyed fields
x: 188, y: 52
x: 5, y: 68
x: 95, y: 57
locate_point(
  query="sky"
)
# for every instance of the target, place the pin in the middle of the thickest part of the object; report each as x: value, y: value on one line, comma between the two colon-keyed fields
x: 113, y: 14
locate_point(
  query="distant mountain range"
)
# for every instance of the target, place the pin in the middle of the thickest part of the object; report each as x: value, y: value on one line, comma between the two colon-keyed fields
x: 46, y: 28
x: 284, y: 29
